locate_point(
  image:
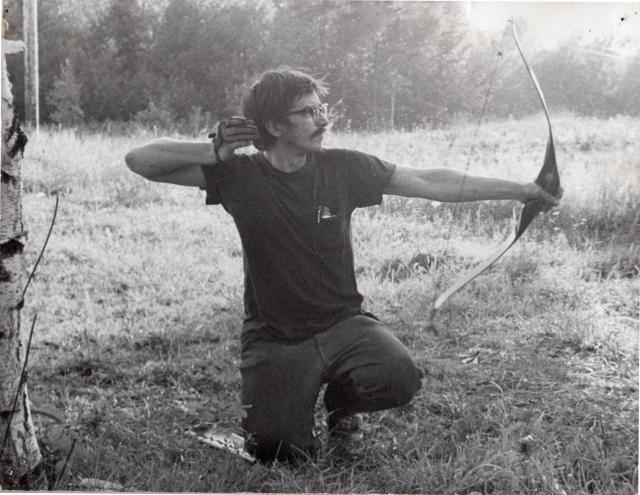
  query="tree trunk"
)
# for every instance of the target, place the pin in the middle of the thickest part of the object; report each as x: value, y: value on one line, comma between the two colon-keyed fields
x: 21, y: 457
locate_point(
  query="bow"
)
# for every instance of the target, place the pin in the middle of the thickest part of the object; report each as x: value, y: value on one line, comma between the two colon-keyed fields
x: 548, y: 179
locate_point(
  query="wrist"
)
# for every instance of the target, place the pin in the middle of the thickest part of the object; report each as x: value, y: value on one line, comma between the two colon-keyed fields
x: 215, y: 146
x: 217, y: 155
x: 524, y: 192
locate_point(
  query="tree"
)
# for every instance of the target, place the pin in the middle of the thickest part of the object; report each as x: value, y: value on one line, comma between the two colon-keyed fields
x: 64, y: 97
x: 627, y: 90
x: 577, y: 80
x: 63, y: 29
x: 20, y: 457
x: 114, y: 61
x: 205, y: 53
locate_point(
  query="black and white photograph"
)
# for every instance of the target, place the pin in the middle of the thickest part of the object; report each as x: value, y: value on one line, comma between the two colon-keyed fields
x: 320, y: 246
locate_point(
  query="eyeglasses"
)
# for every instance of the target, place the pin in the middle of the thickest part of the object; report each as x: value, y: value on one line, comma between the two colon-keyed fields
x: 315, y: 112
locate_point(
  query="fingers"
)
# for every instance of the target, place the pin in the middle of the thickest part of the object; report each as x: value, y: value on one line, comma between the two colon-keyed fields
x: 239, y: 137
x: 550, y: 200
x: 238, y: 129
x: 233, y: 133
x: 239, y: 132
x: 536, y: 193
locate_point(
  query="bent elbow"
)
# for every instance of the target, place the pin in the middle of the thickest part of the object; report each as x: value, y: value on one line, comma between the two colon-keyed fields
x: 133, y: 162
x: 130, y: 160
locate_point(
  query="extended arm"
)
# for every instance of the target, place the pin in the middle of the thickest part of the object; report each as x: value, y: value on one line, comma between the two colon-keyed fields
x: 453, y: 187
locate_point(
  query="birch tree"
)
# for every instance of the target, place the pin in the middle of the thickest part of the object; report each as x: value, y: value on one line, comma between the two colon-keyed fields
x: 20, y: 457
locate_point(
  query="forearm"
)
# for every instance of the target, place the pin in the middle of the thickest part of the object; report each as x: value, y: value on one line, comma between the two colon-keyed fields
x: 458, y: 187
x: 165, y: 157
x: 454, y: 187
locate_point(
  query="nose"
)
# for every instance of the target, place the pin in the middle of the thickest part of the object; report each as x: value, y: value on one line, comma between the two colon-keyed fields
x: 321, y: 116
x: 322, y: 120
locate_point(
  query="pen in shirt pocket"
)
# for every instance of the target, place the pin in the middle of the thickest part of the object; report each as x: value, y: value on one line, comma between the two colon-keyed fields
x: 324, y: 213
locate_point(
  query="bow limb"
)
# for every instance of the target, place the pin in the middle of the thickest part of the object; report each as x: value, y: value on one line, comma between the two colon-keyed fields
x: 474, y: 272
x: 548, y: 179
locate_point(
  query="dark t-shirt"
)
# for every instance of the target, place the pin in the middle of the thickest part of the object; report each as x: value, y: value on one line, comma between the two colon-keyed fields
x: 295, y: 230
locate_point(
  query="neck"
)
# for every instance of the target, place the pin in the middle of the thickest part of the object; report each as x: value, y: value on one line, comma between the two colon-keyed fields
x: 285, y: 159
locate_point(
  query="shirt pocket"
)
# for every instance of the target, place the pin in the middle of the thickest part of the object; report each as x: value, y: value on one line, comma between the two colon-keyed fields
x: 330, y: 233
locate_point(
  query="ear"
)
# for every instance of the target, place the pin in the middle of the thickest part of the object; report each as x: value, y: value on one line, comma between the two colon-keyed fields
x: 274, y: 128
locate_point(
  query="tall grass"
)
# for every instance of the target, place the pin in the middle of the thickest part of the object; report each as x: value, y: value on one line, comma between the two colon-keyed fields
x: 597, y: 160
x: 531, y: 389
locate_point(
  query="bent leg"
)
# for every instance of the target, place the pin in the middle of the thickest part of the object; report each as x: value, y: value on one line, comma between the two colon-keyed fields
x: 280, y: 385
x: 369, y: 368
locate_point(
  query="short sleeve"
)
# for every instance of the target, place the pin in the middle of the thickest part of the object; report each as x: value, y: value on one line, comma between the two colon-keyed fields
x: 213, y: 182
x: 368, y: 176
x: 221, y: 178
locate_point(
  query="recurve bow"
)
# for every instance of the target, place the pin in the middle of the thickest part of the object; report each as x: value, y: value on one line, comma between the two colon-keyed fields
x: 548, y: 179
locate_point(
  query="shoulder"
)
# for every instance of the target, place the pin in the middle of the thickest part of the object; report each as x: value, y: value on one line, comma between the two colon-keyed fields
x: 241, y: 167
x: 346, y: 158
x: 239, y: 173
x: 356, y: 161
x: 341, y: 153
x: 364, y: 175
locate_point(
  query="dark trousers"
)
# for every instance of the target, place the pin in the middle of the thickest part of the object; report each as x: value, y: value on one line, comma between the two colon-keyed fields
x: 366, y: 367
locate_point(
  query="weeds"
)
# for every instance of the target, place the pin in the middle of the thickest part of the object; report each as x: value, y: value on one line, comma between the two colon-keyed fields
x: 140, y: 301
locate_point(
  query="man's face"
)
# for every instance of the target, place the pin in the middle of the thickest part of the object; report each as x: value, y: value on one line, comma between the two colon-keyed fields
x: 303, y: 129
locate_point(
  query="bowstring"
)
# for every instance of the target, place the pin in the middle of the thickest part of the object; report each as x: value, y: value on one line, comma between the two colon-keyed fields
x: 487, y: 95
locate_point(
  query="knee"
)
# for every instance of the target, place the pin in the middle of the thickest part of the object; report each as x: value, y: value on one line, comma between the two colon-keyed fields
x: 394, y: 384
x: 397, y: 371
x: 405, y: 381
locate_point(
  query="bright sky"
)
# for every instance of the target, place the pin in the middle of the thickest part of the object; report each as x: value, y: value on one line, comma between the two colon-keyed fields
x: 550, y: 23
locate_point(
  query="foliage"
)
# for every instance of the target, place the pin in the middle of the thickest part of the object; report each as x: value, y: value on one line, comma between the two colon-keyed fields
x: 389, y: 64
x: 154, y: 117
x: 114, y: 62
x: 64, y: 97
x: 626, y: 100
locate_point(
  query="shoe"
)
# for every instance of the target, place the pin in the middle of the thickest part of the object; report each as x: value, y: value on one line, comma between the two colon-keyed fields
x: 345, y: 428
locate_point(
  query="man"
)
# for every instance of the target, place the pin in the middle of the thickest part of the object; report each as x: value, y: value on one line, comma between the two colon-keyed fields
x: 292, y: 202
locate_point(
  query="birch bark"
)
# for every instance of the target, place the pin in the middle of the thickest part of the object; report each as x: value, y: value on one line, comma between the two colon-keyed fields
x: 21, y: 455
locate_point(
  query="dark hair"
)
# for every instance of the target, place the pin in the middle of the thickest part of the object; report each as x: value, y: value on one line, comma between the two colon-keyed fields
x: 273, y: 94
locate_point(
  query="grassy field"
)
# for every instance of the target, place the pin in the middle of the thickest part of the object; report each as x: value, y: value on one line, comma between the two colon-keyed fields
x: 533, y: 390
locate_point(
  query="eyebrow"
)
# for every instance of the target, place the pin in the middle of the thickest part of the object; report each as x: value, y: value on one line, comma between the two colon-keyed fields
x: 308, y: 107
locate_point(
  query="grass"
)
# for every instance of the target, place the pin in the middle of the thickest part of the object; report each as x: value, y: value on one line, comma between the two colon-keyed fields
x: 534, y: 388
